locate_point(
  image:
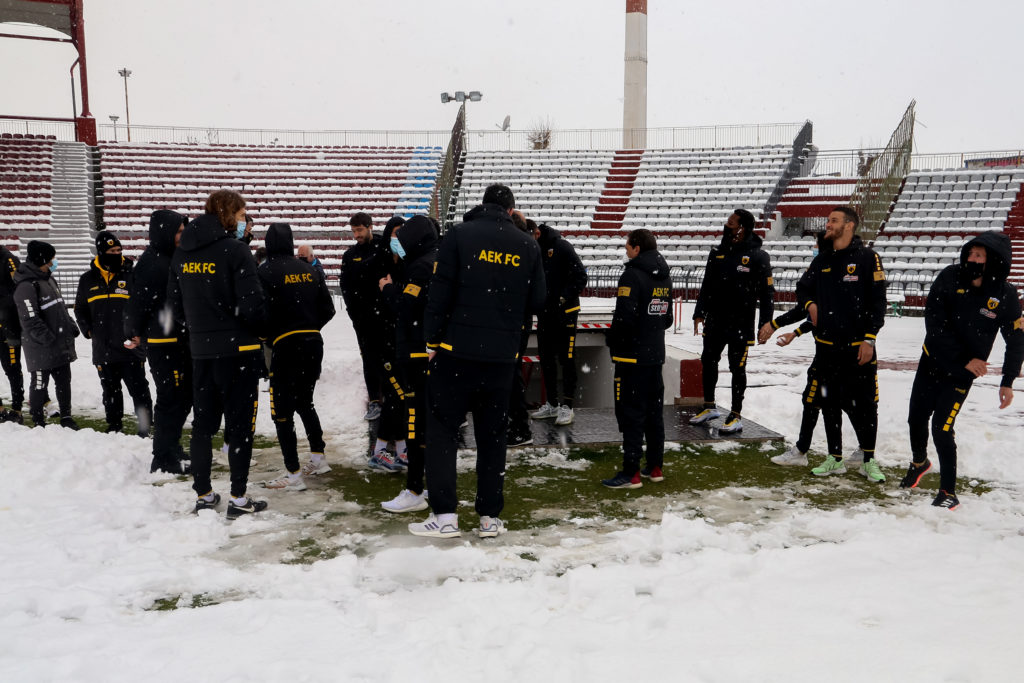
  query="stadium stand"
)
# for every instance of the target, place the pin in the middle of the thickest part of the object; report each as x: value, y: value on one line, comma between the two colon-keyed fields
x: 26, y: 170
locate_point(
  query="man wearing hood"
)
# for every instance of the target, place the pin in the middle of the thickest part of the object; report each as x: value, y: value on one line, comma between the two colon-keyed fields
x: 415, y: 243
x: 737, y: 284
x: 47, y: 332
x: 214, y: 290
x: 843, y: 292
x: 488, y: 275
x: 149, y: 322
x: 636, y: 339
x: 298, y: 306
x: 10, y: 337
x: 556, y: 325
x: 103, y: 295
x: 969, y: 303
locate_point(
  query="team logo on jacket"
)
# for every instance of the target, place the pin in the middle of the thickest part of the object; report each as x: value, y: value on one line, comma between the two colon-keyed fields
x: 745, y: 260
x: 551, y: 252
x: 850, y: 277
x: 121, y: 284
x: 992, y: 303
x: 657, y: 307
x: 851, y: 268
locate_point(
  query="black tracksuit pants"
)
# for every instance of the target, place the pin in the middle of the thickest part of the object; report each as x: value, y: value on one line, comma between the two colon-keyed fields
x: 412, y: 375
x: 38, y: 394
x: 133, y: 375
x: 294, y: 371
x: 372, y: 337
x: 392, y: 408
x: 937, y: 396
x: 844, y: 385
x: 639, y: 399
x: 171, y: 367
x: 227, y: 387
x: 714, y: 344
x: 518, y: 414
x: 10, y: 358
x: 455, y: 386
x: 556, y: 343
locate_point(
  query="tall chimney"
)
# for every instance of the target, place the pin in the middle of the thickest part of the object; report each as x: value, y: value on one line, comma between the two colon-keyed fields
x: 634, y: 96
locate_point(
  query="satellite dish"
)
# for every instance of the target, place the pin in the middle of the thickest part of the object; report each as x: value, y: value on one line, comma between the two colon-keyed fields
x: 507, y: 122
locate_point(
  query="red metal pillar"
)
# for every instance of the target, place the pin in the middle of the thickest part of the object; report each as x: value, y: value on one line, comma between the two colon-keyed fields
x: 85, y: 124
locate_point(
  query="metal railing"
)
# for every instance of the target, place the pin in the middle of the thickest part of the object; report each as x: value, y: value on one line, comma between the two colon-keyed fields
x: 447, y: 179
x: 844, y: 163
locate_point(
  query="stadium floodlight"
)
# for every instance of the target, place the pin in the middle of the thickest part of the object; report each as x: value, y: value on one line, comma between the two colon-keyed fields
x: 113, y: 120
x: 125, y: 73
x: 446, y: 98
x: 475, y: 96
x: 460, y: 96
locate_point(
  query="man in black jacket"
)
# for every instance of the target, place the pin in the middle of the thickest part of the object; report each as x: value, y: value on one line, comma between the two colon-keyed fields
x: 969, y: 303
x: 47, y: 332
x: 737, y: 283
x: 214, y: 290
x: 299, y: 305
x: 103, y: 294
x: 556, y: 325
x: 643, y: 311
x: 843, y: 292
x: 488, y: 275
x: 10, y: 337
x: 149, y: 323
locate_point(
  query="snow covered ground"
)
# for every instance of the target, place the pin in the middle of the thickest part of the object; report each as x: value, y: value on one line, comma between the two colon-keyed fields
x: 761, y: 592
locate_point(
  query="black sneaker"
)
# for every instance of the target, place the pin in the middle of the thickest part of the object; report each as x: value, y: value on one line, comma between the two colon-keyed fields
x: 946, y: 500
x: 621, y: 480
x: 914, y: 474
x: 69, y: 423
x: 203, y: 504
x: 519, y: 439
x: 250, y: 506
x: 114, y: 428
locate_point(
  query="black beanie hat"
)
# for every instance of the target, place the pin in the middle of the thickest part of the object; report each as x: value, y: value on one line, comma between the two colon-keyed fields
x: 40, y: 253
x: 106, y: 240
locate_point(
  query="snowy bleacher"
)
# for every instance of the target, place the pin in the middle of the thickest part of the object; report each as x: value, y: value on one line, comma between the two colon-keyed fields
x: 963, y: 202
x: 26, y: 176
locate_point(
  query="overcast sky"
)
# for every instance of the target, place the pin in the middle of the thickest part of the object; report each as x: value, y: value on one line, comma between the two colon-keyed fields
x: 850, y: 67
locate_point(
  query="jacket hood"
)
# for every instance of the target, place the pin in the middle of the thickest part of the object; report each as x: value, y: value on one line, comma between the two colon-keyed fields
x: 417, y: 236
x: 279, y: 241
x: 548, y: 236
x: 203, y: 231
x: 997, y: 245
x: 750, y: 241
x: 163, y: 226
x: 486, y: 210
x: 650, y: 262
x: 29, y: 271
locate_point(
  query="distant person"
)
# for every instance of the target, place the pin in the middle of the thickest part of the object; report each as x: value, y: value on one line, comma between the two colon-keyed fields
x: 245, y: 233
x: 636, y: 339
x: 260, y: 255
x: 306, y: 255
x: 10, y: 337
x: 214, y: 290
x: 47, y: 332
x: 100, y: 304
x: 556, y: 325
x: 488, y: 275
x: 969, y: 303
x: 737, y: 284
x: 298, y: 306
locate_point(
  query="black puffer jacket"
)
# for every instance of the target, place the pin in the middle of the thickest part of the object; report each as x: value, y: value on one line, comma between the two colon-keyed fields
x: 737, y: 284
x: 488, y: 276
x: 643, y: 311
x: 362, y: 267
x: 100, y: 307
x: 408, y: 300
x: 961, y: 320
x: 214, y: 290
x: 298, y: 302
x: 47, y: 330
x: 10, y: 327
x: 564, y: 273
x: 148, y: 314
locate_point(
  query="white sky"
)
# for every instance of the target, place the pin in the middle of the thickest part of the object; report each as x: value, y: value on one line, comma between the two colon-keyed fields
x: 852, y: 68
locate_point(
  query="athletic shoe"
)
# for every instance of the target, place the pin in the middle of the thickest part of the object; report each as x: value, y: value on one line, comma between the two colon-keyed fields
x: 406, y: 501
x: 114, y: 429
x: 565, y: 416
x: 490, y: 527
x: 286, y: 482
x: 203, y: 504
x: 372, y: 411
x: 946, y: 500
x: 69, y: 423
x: 831, y: 465
x: 705, y: 415
x: 914, y: 474
x: 732, y: 424
x: 51, y: 409
x: 855, y: 458
x: 519, y: 439
x: 545, y: 412
x: 383, y: 461
x: 249, y: 507
x: 653, y: 473
x: 315, y: 467
x: 402, y: 459
x: 621, y: 480
x: 437, y: 526
x: 870, y: 471
x: 791, y: 457
x: 7, y: 415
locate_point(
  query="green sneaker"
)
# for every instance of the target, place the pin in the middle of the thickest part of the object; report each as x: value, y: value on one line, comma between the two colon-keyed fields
x: 832, y: 465
x: 871, y: 471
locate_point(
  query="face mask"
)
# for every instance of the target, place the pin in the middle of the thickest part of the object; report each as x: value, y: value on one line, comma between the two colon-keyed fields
x: 814, y: 251
x: 53, y: 266
x: 240, y: 229
x: 974, y: 270
x: 396, y: 247
x: 111, y: 262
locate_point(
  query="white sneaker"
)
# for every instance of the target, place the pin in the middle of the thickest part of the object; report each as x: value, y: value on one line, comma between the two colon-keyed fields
x: 705, y: 415
x: 314, y: 467
x: 287, y: 482
x: 791, y: 457
x: 437, y: 526
x: 855, y: 458
x: 545, y: 412
x: 490, y: 527
x: 406, y: 501
x: 52, y: 409
x: 565, y: 416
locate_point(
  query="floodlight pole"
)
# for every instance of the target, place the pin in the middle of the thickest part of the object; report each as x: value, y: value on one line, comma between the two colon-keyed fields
x: 463, y: 98
x: 125, y: 73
